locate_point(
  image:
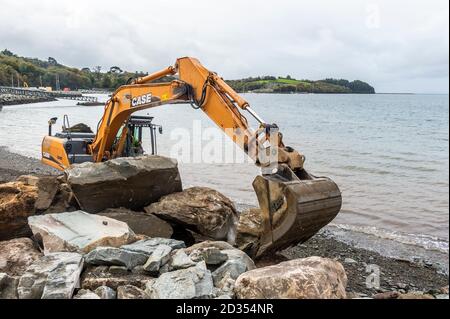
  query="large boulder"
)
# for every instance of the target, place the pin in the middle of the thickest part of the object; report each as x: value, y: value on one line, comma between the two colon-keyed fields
x: 28, y: 196
x: 17, y: 203
x: 140, y: 223
x: 79, y: 231
x: 123, y: 182
x: 54, y: 276
x: 309, y: 278
x: 16, y: 255
x: 200, y: 209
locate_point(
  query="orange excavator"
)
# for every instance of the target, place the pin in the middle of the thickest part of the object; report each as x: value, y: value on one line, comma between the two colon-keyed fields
x: 294, y: 204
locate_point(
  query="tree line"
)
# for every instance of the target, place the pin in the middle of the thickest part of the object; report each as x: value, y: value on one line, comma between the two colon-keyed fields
x: 21, y: 71
x: 271, y: 84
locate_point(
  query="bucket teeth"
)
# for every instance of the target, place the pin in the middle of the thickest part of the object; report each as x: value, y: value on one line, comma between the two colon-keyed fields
x: 294, y: 209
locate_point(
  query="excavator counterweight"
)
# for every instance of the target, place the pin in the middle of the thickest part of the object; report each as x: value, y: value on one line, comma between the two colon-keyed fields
x: 294, y: 204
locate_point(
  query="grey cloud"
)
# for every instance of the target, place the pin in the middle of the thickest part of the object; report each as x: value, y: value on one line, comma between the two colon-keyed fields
x: 398, y: 46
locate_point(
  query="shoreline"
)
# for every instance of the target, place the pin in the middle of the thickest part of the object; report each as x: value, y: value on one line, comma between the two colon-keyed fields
x: 395, y: 274
x: 10, y: 99
x: 13, y: 165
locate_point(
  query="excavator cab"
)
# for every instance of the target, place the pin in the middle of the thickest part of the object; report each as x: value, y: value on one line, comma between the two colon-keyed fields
x: 136, y: 126
x: 71, y: 145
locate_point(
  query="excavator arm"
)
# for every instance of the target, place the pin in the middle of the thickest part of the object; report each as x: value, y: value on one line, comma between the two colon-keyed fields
x: 204, y: 90
x: 294, y: 204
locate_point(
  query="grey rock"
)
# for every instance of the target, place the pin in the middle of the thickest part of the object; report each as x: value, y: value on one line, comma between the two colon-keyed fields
x: 86, y: 294
x: 118, y: 270
x: 8, y: 286
x: 226, y: 275
x: 227, y: 263
x: 241, y: 257
x: 195, y: 282
x: 79, y: 231
x: 123, y: 182
x: 165, y: 268
x: 211, y: 255
x: 115, y: 257
x: 138, y: 270
x: 160, y: 257
x: 131, y: 292
x: 53, y: 276
x: 231, y: 269
x: 195, y: 252
x: 180, y: 260
x: 148, y: 246
x: 105, y: 292
x: 441, y: 296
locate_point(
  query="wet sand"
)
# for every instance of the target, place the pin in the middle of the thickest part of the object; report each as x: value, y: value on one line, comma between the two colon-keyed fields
x: 394, y: 274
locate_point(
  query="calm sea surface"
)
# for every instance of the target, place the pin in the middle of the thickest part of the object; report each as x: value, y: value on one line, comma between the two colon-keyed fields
x: 388, y: 153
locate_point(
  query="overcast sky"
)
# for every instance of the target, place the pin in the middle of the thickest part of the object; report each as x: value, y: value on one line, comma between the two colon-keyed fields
x: 397, y: 46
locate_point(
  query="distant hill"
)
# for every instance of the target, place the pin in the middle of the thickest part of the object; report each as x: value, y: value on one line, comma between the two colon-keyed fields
x: 271, y: 84
x: 35, y: 73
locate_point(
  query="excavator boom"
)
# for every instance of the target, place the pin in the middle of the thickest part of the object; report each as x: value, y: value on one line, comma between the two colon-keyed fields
x: 294, y: 204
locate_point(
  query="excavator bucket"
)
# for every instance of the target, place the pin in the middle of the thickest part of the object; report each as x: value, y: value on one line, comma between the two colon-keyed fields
x: 294, y: 207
